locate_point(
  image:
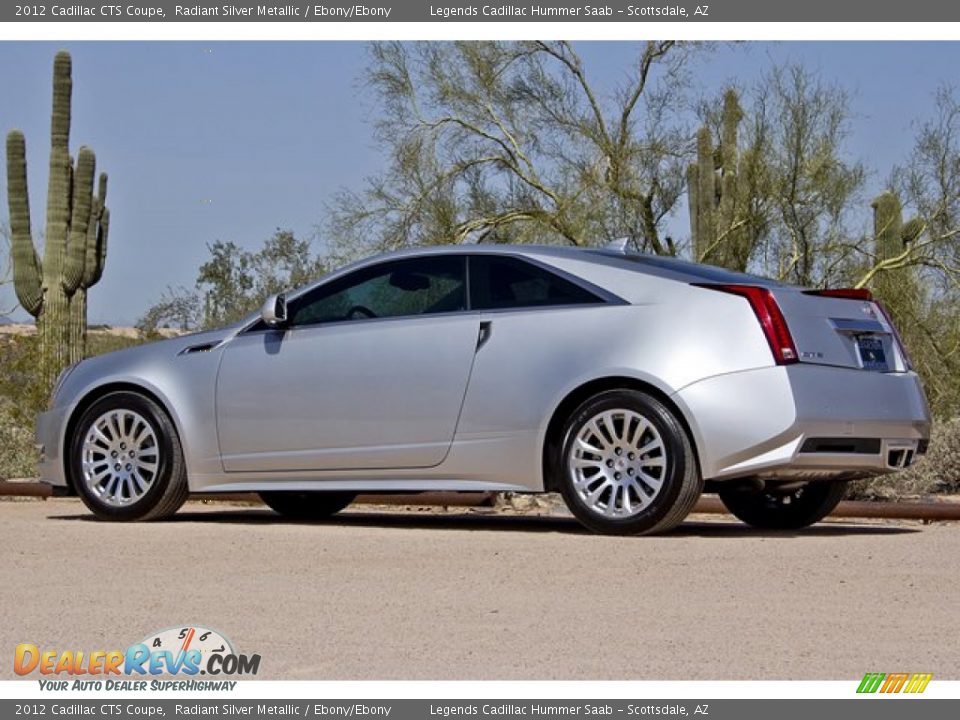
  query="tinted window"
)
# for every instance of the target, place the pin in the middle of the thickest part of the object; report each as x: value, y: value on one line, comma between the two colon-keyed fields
x: 498, y: 282
x: 417, y: 286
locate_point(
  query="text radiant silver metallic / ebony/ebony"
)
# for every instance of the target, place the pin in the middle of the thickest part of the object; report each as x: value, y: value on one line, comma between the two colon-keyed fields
x: 625, y: 382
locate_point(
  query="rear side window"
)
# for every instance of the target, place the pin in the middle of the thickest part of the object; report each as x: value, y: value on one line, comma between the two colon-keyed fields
x: 499, y: 282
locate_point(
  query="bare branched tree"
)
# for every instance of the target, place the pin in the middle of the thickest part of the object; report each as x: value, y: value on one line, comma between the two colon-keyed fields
x: 930, y: 184
x: 812, y: 187
x: 179, y: 308
x: 514, y: 142
x: 928, y: 261
x: 233, y: 282
x: 794, y: 196
x: 802, y: 216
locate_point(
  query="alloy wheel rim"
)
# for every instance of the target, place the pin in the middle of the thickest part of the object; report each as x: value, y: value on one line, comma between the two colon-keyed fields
x: 618, y: 463
x: 120, y: 457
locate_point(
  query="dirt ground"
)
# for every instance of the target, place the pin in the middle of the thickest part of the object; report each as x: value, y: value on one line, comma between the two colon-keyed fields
x: 389, y: 593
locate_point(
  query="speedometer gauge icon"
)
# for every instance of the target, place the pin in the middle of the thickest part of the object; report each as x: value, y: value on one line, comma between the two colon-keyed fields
x: 190, y: 637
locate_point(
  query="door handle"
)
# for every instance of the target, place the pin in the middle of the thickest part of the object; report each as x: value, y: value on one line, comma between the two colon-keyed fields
x: 486, y: 329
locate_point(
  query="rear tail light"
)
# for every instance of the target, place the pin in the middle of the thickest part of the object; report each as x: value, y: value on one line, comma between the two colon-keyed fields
x: 765, y: 307
x: 845, y: 293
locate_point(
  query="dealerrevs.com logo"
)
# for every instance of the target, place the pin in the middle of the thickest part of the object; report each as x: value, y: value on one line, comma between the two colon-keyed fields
x: 178, y: 651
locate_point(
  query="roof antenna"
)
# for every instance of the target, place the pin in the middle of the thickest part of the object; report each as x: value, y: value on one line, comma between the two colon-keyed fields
x: 619, y: 245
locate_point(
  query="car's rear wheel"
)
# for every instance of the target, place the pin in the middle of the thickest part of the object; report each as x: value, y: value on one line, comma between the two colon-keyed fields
x: 307, y: 505
x: 126, y: 461
x: 773, y: 509
x: 627, y: 466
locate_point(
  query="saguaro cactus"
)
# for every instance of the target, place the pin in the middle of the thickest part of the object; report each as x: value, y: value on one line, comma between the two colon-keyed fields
x: 895, y: 284
x: 719, y: 235
x: 701, y: 196
x: 75, y: 238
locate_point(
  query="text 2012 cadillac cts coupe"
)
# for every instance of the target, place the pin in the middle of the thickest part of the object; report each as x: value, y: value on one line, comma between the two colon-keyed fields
x: 626, y: 382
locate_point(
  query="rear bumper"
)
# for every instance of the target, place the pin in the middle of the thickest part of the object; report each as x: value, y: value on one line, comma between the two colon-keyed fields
x: 807, y: 421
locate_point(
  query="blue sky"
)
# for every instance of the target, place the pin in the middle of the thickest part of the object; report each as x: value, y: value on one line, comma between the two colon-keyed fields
x: 232, y: 140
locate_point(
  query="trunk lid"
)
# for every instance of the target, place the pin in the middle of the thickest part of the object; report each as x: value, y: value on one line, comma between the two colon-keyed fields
x: 841, y: 328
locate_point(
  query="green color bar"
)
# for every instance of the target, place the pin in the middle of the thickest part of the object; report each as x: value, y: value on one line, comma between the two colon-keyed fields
x: 871, y: 682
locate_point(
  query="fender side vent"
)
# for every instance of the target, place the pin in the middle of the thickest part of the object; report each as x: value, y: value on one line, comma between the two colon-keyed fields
x: 842, y: 446
x: 206, y: 347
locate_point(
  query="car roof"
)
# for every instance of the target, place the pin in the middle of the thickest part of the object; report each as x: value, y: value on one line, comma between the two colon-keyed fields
x: 669, y: 268
x: 658, y: 265
x: 495, y: 249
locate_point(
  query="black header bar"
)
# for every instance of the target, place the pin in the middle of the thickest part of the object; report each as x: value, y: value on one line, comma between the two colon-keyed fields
x: 637, y: 11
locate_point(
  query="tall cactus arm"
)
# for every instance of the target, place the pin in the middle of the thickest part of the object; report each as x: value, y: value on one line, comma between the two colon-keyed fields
x: 732, y: 114
x: 27, y: 273
x: 912, y: 229
x: 706, y: 194
x: 693, y: 203
x: 887, y: 224
x: 91, y: 251
x: 102, y: 189
x: 96, y: 238
x: 76, y: 257
x: 102, y: 232
x: 59, y: 181
x: 62, y: 90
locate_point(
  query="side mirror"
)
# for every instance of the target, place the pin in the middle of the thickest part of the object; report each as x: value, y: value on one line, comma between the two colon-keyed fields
x: 274, y: 311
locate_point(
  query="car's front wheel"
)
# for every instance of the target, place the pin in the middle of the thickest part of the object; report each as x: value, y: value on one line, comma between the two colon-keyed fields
x: 126, y: 461
x: 773, y: 509
x: 307, y: 505
x: 627, y: 465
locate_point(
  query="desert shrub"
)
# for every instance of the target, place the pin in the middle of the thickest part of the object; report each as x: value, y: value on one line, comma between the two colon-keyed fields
x: 101, y: 343
x: 938, y: 472
x: 24, y: 394
x: 17, y: 456
x: 21, y: 383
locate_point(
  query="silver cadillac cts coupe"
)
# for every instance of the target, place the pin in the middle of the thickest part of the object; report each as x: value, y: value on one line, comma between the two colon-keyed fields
x: 628, y: 383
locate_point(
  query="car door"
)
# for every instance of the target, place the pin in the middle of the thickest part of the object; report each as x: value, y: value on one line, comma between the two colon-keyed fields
x: 542, y: 328
x: 370, y: 372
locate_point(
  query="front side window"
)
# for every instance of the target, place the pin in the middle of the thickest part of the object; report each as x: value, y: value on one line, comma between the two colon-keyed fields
x: 416, y: 286
x: 498, y: 282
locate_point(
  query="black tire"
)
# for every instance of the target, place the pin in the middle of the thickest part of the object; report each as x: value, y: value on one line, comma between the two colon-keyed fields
x: 167, y: 488
x: 307, y: 505
x: 770, y: 510
x: 680, y: 481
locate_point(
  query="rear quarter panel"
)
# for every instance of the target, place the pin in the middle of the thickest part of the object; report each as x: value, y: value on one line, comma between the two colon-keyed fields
x: 674, y: 335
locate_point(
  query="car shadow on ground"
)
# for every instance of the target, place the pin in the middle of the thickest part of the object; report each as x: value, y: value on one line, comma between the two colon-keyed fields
x: 502, y: 522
